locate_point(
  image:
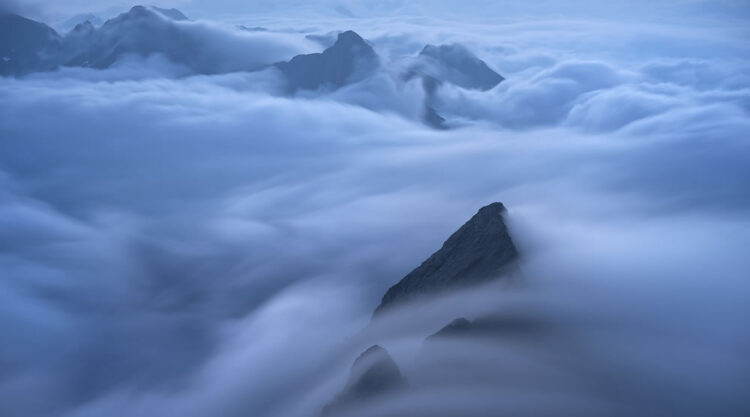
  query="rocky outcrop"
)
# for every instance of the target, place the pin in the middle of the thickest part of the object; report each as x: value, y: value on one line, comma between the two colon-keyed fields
x: 480, y: 250
x: 350, y: 59
x: 373, y: 374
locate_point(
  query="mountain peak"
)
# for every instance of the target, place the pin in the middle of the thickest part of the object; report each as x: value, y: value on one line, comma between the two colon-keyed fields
x: 480, y: 250
x: 455, y: 64
x: 348, y: 38
x: 150, y: 12
x: 139, y: 10
x: 493, y: 209
x: 373, y: 373
x: 349, y: 60
x: 86, y: 26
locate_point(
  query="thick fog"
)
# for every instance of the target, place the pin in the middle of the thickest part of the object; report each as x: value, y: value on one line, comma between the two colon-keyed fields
x: 183, y: 244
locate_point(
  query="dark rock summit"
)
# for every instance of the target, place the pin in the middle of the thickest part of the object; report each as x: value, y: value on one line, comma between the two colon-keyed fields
x: 451, y: 64
x: 456, y: 65
x: 373, y: 374
x: 480, y: 250
x: 350, y: 59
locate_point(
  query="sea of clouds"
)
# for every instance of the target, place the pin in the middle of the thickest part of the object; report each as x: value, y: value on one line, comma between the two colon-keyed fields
x: 189, y: 245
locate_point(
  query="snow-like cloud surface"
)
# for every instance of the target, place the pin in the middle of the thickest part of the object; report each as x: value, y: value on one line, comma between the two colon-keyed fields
x: 182, y: 245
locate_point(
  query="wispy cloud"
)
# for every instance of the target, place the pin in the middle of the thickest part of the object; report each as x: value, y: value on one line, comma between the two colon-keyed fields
x: 181, y: 244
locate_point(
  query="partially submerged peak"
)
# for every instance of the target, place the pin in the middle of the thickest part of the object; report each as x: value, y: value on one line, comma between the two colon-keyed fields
x: 140, y: 11
x: 349, y: 38
x: 86, y: 26
x: 375, y: 354
x: 374, y: 373
x: 457, y: 65
x: 172, y: 13
x: 493, y: 209
x: 135, y: 14
x: 349, y: 60
x: 479, y: 251
x: 436, y: 51
x: 83, y: 29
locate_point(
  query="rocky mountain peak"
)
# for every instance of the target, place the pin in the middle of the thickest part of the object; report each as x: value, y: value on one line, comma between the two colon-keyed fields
x: 349, y: 60
x: 373, y: 373
x: 455, y: 64
x: 147, y: 13
x: 350, y: 38
x: 480, y: 250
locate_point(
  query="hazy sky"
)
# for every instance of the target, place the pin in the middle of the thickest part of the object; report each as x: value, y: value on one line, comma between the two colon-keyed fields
x: 471, y: 9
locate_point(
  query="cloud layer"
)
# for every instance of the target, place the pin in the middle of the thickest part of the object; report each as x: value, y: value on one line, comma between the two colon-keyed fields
x: 176, y: 244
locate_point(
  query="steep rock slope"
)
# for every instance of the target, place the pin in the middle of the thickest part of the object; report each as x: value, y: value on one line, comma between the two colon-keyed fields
x: 350, y: 59
x: 456, y: 65
x: 26, y: 46
x: 480, y: 250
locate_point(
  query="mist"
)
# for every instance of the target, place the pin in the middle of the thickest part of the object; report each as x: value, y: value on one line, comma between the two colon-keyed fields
x: 192, y: 239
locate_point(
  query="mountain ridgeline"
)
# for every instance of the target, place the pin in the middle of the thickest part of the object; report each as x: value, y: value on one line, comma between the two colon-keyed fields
x: 27, y: 46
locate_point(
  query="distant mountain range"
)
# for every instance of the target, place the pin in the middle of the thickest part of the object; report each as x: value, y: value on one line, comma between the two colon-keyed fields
x: 27, y: 46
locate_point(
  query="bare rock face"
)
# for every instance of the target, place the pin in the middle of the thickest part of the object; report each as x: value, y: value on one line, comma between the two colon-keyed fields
x: 141, y: 31
x: 373, y: 374
x: 350, y: 59
x: 480, y: 250
x: 26, y: 46
x: 457, y: 65
x: 449, y: 64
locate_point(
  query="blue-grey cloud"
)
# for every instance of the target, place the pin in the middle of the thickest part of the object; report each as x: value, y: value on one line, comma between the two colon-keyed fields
x: 181, y: 244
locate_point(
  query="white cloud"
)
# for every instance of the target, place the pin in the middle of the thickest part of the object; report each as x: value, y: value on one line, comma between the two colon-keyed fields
x: 202, y: 245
